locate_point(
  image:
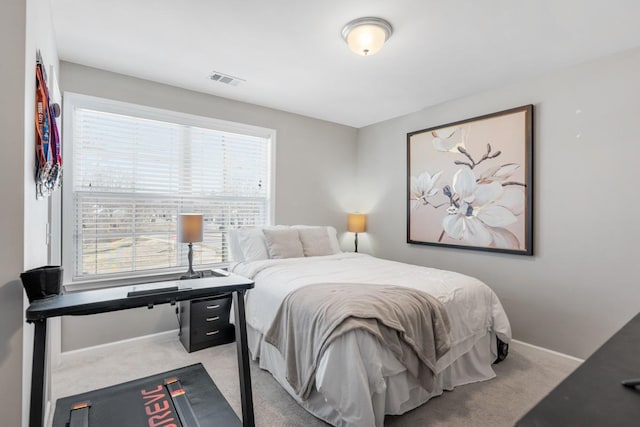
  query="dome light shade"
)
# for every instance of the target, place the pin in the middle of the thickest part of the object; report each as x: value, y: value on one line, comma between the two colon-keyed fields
x: 366, y: 36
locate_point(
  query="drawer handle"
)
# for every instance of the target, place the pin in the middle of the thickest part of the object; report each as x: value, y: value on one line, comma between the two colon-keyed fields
x: 210, y: 307
x: 211, y: 319
x: 212, y: 333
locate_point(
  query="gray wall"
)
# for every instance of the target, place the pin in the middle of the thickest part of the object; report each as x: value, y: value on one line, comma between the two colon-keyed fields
x: 580, y: 286
x: 26, y: 27
x: 315, y: 176
x: 12, y: 102
x: 40, y: 37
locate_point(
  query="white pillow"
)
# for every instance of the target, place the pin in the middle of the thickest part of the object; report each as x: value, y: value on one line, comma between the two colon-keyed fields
x: 315, y: 241
x: 252, y: 244
x: 283, y: 243
x: 333, y: 237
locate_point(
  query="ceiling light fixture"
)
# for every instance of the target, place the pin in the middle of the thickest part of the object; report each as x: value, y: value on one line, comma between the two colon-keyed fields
x: 366, y: 36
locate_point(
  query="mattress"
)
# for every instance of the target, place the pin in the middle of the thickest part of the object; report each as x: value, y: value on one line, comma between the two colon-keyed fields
x: 358, y: 381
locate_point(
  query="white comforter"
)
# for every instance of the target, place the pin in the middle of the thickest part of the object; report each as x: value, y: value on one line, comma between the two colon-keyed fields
x: 473, y: 308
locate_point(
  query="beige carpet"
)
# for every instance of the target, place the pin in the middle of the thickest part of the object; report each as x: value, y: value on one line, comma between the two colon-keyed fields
x: 523, y: 379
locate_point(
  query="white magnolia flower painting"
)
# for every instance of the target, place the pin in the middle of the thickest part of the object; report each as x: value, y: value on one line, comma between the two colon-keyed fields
x: 470, y: 183
x: 423, y: 187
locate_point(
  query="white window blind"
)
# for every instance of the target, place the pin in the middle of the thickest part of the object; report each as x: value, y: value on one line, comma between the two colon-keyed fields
x: 132, y: 176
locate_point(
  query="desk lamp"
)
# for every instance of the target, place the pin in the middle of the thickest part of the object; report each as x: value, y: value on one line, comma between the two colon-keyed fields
x: 357, y: 223
x: 190, y: 230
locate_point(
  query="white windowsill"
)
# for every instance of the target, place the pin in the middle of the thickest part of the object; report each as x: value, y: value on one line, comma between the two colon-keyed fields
x: 88, y: 285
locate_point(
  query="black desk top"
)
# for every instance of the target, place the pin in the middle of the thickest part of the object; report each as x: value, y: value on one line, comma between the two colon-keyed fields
x: 592, y: 395
x: 113, y: 299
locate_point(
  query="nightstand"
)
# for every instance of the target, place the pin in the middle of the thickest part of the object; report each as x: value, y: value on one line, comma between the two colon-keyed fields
x: 205, y: 322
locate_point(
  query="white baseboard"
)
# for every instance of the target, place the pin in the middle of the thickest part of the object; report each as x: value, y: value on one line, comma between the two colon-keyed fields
x: 113, y: 346
x: 556, y: 353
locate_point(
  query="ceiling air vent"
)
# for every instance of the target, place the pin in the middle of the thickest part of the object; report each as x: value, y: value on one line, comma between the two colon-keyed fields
x: 225, y: 78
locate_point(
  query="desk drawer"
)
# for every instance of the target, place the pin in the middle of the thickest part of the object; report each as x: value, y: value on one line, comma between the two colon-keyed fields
x: 214, y: 335
x: 211, y: 307
x: 211, y: 321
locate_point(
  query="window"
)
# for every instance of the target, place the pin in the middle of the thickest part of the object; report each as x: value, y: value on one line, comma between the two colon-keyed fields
x: 131, y: 170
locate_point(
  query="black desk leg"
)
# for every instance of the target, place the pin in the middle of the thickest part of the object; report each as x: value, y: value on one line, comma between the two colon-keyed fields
x: 243, y: 360
x: 36, y: 411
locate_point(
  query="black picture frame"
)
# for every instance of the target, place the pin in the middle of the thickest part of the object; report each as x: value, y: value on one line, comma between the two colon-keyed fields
x: 470, y: 183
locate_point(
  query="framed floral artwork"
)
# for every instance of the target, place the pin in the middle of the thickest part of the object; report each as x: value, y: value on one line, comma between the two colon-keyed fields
x: 470, y: 183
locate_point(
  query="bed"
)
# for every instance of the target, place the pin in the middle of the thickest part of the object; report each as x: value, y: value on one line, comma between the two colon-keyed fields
x: 358, y: 380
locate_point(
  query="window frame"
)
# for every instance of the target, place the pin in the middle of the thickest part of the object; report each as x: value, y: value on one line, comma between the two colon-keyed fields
x: 71, y: 101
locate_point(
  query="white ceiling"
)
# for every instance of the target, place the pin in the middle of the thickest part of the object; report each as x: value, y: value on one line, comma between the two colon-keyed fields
x: 293, y: 58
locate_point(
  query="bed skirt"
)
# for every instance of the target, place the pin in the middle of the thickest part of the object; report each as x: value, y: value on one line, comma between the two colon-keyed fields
x: 377, y: 384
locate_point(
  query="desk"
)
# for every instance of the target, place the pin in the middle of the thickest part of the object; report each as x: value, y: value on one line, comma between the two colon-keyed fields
x: 114, y: 299
x: 592, y: 395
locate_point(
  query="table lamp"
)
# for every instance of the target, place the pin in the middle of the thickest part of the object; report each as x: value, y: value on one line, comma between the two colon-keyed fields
x: 190, y: 230
x: 357, y: 223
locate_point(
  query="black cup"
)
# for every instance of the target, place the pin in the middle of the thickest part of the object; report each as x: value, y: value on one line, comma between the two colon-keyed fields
x: 42, y: 282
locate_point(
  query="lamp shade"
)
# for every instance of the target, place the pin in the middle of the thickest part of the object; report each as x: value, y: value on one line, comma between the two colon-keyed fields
x: 190, y: 227
x: 357, y: 223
